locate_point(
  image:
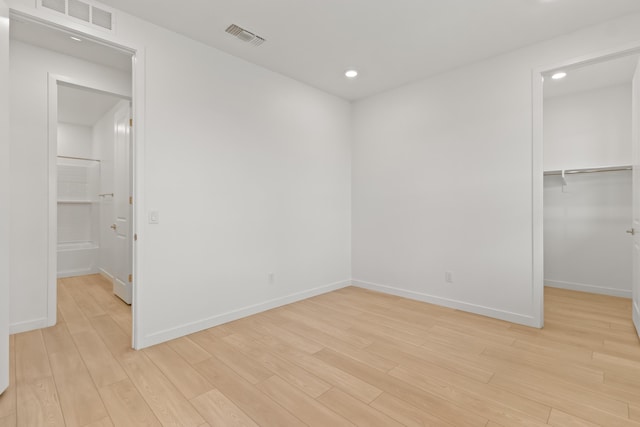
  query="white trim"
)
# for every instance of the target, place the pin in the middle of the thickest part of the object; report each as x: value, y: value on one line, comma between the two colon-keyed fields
x: 28, y: 325
x: 537, y: 168
x: 52, y: 233
x: 446, y: 302
x: 138, y: 136
x: 52, y: 122
x: 537, y: 192
x: 592, y: 289
x: 79, y: 272
x: 92, y: 85
x: 210, y: 322
x: 636, y: 317
x: 5, y: 186
x: 104, y: 273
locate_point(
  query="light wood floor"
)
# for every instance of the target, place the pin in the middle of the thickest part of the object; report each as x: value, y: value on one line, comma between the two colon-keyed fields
x: 351, y: 357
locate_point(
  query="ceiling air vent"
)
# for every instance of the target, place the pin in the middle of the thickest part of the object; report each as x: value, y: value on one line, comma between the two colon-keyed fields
x: 81, y: 10
x: 244, y: 35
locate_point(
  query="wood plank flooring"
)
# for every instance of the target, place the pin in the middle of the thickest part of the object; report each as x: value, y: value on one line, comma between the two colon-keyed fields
x: 351, y: 357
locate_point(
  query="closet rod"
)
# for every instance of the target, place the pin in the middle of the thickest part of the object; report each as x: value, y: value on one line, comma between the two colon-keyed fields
x: 78, y: 158
x: 589, y: 170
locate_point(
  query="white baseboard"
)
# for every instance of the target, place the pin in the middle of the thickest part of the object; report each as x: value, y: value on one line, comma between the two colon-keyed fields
x: 29, y: 325
x: 520, y: 319
x: 636, y: 317
x: 210, y: 322
x: 74, y: 273
x: 104, y: 273
x: 588, y: 288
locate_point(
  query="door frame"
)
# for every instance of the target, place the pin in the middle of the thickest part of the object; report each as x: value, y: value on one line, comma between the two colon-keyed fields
x: 5, y: 212
x: 138, y: 100
x: 537, y: 164
x: 54, y: 81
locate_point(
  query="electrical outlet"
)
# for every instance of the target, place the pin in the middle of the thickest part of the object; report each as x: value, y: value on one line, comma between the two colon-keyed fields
x: 448, y: 276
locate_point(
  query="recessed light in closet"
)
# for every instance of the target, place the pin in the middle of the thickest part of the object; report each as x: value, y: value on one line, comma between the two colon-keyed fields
x: 351, y: 74
x: 559, y: 75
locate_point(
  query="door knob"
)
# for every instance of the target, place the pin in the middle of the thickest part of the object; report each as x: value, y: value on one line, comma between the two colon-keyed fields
x: 632, y: 231
x: 113, y: 227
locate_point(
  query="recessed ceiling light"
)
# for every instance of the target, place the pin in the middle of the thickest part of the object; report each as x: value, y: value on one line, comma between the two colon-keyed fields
x: 559, y: 75
x: 351, y: 74
x: 75, y: 39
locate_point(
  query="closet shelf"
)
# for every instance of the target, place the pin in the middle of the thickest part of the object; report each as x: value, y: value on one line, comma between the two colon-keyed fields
x: 76, y: 202
x: 588, y: 170
x: 78, y: 158
x: 77, y: 245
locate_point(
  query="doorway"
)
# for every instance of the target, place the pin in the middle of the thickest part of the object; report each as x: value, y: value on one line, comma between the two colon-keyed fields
x: 585, y: 176
x: 94, y: 199
x: 89, y: 154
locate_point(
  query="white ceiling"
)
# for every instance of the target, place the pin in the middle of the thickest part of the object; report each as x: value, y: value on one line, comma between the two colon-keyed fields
x: 594, y: 76
x: 391, y: 42
x: 83, y: 107
x: 60, y: 41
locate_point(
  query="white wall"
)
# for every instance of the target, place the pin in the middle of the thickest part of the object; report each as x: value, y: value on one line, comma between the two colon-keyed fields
x: 250, y: 172
x: 442, y: 180
x: 588, y: 129
x: 29, y: 173
x: 75, y: 141
x: 4, y: 195
x: 585, y: 244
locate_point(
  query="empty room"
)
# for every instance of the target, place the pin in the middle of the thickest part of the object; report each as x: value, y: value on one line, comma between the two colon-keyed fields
x: 306, y: 212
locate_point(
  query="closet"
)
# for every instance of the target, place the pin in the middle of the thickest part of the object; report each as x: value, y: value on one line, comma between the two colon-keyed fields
x: 85, y: 171
x: 588, y: 178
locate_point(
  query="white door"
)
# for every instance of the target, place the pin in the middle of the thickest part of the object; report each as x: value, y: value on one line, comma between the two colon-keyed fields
x: 122, y: 201
x: 636, y: 198
x: 4, y: 196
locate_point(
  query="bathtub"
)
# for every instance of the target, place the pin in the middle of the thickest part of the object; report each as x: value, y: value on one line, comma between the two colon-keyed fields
x: 77, y: 259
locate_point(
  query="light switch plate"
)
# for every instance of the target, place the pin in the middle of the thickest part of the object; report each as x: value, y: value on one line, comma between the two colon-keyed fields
x: 154, y: 217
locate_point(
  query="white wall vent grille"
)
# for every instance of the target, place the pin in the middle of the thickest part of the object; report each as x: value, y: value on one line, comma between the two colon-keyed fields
x: 102, y: 18
x: 245, y: 35
x: 79, y: 9
x: 82, y: 11
x: 57, y: 5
